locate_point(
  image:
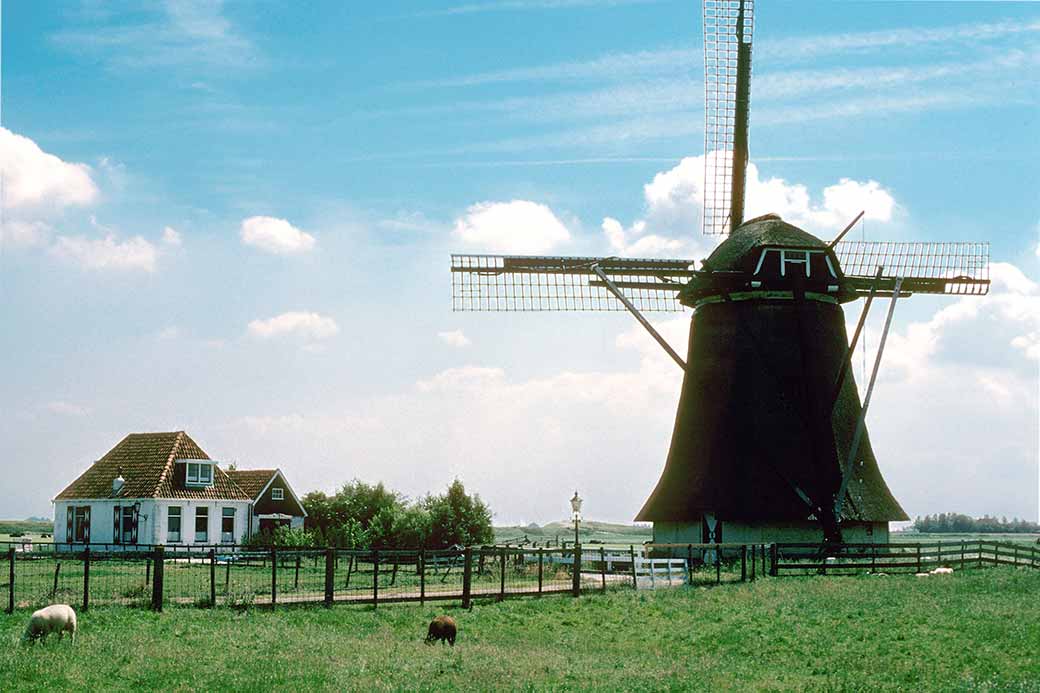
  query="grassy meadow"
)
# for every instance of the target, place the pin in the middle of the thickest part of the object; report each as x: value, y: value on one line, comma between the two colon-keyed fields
x: 974, y: 630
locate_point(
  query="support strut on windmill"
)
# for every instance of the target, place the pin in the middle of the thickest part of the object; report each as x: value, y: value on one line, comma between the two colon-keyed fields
x: 770, y: 441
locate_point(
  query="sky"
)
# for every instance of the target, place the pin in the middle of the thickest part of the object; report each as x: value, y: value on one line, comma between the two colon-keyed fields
x: 236, y: 219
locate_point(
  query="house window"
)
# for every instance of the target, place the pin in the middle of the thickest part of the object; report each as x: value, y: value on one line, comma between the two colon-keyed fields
x: 227, y: 526
x: 173, y: 523
x: 277, y: 494
x: 199, y: 473
x: 78, y: 525
x: 127, y: 534
x: 202, y: 524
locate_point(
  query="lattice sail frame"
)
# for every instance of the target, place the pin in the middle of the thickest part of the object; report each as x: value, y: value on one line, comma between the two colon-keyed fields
x: 959, y: 268
x: 721, y: 48
x: 507, y: 283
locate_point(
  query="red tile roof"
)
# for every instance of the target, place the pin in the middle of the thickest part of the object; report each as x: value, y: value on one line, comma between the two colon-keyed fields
x: 252, y: 481
x: 146, y: 462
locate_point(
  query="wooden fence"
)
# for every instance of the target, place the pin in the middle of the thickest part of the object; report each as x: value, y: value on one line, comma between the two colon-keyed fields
x: 899, y: 558
x: 155, y: 576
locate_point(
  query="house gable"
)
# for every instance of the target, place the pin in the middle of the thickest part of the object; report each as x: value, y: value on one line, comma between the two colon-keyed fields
x: 267, y: 504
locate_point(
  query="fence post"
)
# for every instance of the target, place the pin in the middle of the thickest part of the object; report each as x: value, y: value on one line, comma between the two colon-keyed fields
x: 689, y: 564
x: 743, y: 563
x: 274, y: 576
x: 422, y: 577
x: 873, y: 558
x: 147, y: 572
x: 632, y: 559
x: 212, y: 577
x: 541, y: 558
x: 502, y: 574
x: 718, y: 566
x: 467, y: 576
x: 576, y: 576
x: 962, y: 554
x: 754, y: 561
x: 157, y: 579
x: 227, y: 575
x: 330, y: 575
x: 918, y: 548
x: 375, y: 578
x: 86, y: 577
x: 603, y: 568
x: 10, y: 580
x: 772, y: 560
x: 57, y: 569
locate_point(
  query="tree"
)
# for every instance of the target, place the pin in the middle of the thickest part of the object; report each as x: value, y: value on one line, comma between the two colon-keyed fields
x: 457, y: 518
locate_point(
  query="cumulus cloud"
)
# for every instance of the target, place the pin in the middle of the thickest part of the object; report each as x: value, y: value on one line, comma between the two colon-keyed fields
x: 674, y: 204
x: 34, y: 178
x: 108, y: 253
x: 171, y: 236
x: 296, y: 324
x: 274, y: 235
x: 38, y: 187
x: 515, y: 227
x: 454, y: 338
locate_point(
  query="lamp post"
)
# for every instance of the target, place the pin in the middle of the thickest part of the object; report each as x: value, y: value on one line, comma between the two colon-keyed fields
x: 576, y: 573
x: 576, y: 512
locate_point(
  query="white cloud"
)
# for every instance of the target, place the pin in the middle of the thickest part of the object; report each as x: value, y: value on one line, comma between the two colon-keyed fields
x: 295, y: 323
x: 34, y: 178
x: 516, y: 227
x: 108, y: 253
x: 674, y: 203
x: 22, y: 234
x: 170, y: 236
x: 67, y: 408
x: 454, y: 338
x: 274, y: 235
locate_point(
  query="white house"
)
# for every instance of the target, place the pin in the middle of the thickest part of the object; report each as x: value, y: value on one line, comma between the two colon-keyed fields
x: 158, y: 488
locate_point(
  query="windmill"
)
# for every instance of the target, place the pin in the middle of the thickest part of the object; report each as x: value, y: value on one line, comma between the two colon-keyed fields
x: 770, y: 437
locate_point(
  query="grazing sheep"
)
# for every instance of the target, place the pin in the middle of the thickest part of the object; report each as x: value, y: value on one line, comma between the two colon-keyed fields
x: 442, y: 628
x: 943, y: 571
x: 56, y: 618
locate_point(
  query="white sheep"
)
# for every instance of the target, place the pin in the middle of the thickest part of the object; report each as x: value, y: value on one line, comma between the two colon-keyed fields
x: 943, y: 571
x: 56, y: 618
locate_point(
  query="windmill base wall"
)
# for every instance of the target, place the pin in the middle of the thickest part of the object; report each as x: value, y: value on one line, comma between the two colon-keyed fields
x: 768, y: 533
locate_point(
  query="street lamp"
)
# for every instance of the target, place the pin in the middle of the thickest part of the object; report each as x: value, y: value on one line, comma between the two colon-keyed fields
x: 576, y: 512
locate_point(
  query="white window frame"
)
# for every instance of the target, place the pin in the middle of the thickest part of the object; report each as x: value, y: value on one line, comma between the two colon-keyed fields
x: 227, y: 537
x: 201, y: 509
x: 202, y: 476
x: 180, y: 523
x: 277, y: 493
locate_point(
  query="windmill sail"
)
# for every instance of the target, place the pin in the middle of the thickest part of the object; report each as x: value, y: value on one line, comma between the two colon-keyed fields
x: 926, y: 268
x: 556, y: 283
x: 728, y: 28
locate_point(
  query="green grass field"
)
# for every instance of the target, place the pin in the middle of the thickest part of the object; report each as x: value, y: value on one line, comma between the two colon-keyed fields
x: 974, y: 630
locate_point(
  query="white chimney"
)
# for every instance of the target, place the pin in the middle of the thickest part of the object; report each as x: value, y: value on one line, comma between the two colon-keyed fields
x: 117, y: 483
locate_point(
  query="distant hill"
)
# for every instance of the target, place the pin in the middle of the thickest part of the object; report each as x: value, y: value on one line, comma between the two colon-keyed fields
x: 590, y: 531
x: 32, y: 525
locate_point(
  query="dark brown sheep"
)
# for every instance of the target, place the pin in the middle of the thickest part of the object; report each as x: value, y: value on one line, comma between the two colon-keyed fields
x: 442, y: 628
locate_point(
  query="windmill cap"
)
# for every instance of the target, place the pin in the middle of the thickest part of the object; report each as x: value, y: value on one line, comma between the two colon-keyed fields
x: 766, y: 230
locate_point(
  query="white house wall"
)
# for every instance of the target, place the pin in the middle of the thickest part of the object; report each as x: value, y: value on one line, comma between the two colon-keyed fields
x: 152, y: 520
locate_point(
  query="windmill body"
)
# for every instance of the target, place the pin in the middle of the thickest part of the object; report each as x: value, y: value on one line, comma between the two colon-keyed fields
x: 756, y: 452
x: 770, y: 442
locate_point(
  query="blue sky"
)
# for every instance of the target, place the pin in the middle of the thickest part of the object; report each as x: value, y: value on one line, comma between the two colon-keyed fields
x: 235, y: 219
